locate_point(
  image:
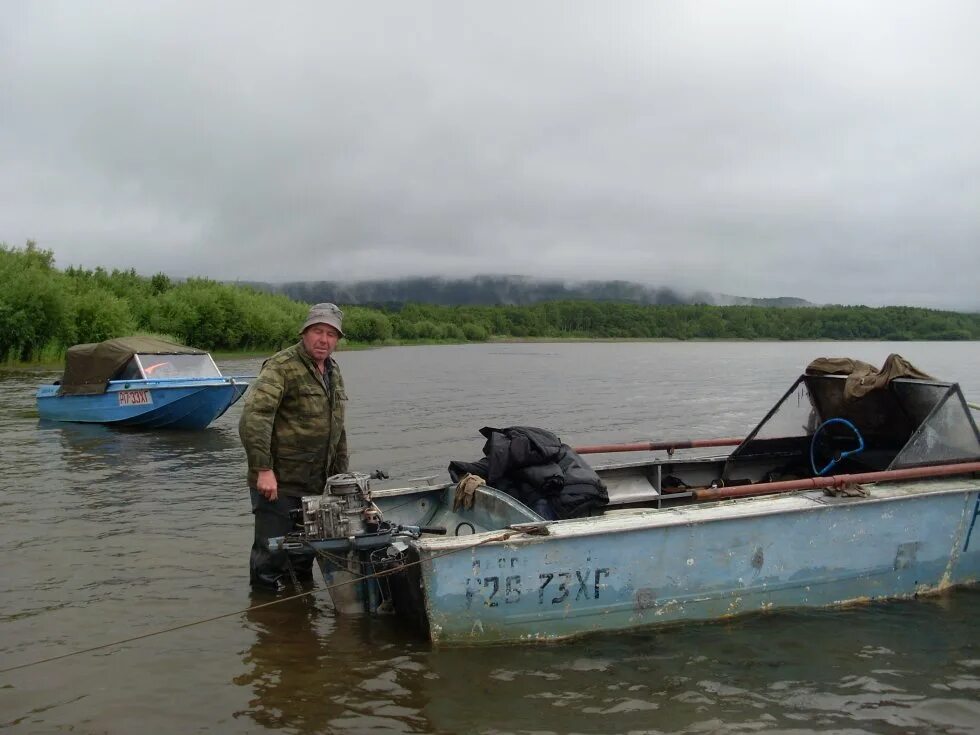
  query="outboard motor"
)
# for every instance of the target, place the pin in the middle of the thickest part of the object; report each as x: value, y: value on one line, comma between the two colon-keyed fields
x: 343, y: 514
x: 345, y: 508
x: 352, y: 542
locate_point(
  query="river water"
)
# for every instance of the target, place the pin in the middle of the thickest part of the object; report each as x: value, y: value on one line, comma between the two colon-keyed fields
x: 109, y: 534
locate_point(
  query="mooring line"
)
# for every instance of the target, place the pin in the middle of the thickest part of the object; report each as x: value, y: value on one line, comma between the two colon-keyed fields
x: 6, y: 670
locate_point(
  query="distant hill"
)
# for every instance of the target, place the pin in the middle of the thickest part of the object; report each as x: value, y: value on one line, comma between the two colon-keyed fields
x: 502, y: 290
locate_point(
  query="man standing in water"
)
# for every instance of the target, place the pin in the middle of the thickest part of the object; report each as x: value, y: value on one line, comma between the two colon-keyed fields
x: 292, y: 428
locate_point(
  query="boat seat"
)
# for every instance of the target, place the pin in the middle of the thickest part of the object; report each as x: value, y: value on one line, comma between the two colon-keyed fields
x: 629, y: 486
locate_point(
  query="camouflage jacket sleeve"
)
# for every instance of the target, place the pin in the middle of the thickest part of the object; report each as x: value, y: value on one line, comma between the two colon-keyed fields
x: 341, y: 458
x: 339, y: 461
x: 258, y: 417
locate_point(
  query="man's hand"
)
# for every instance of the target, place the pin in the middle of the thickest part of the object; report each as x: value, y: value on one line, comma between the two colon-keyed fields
x: 267, y: 484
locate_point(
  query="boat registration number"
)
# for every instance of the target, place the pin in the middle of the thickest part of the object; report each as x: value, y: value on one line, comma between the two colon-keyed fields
x: 135, y: 398
x: 553, y: 588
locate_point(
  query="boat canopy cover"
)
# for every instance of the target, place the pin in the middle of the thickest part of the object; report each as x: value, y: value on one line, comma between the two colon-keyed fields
x: 863, y: 377
x: 90, y: 367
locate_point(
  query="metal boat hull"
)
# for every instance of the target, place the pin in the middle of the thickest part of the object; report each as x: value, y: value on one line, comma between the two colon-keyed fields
x: 681, y: 540
x: 171, y: 404
x: 637, y: 568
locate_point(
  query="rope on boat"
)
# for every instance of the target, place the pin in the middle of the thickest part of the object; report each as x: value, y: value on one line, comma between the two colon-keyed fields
x: 499, y: 537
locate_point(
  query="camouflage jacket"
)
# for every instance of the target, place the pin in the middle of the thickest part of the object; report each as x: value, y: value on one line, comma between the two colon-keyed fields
x: 293, y: 423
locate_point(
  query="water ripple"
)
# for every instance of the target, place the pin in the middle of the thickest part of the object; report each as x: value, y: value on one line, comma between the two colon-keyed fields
x: 110, y: 534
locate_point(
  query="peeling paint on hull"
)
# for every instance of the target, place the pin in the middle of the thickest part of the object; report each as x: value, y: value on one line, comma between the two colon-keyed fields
x: 702, y: 563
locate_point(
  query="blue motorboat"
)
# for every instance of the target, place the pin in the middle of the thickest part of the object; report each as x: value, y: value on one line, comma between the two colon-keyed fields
x: 140, y: 381
x: 852, y: 488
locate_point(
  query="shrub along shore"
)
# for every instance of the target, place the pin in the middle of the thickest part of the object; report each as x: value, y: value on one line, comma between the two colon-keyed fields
x: 44, y: 310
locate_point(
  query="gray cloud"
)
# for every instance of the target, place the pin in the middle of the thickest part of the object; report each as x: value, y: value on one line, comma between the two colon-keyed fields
x: 823, y: 150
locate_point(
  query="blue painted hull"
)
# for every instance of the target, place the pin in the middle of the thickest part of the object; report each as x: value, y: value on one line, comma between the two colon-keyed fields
x: 172, y: 404
x: 679, y: 540
x: 647, y: 567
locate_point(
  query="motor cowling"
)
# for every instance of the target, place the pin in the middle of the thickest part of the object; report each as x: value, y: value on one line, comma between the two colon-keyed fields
x: 343, y: 511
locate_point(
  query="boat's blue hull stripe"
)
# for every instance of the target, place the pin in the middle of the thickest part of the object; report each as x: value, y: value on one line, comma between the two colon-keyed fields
x: 552, y: 587
x: 188, y: 405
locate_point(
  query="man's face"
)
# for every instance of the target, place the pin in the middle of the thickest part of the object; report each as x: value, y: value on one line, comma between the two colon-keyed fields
x: 320, y: 340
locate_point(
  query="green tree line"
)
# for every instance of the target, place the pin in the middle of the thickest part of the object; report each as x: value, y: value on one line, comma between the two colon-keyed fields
x: 582, y: 319
x: 44, y: 310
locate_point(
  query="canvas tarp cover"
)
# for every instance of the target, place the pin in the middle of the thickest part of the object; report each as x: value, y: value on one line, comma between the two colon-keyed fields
x: 89, y: 367
x: 862, y: 377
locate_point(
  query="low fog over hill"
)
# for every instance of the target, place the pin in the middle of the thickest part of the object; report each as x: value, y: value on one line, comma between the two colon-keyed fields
x: 502, y: 290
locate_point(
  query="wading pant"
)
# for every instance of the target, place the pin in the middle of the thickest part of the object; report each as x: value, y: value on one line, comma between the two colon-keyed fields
x: 268, y: 569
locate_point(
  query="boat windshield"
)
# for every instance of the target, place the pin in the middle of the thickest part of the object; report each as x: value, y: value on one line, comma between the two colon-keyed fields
x: 177, y: 366
x: 906, y: 423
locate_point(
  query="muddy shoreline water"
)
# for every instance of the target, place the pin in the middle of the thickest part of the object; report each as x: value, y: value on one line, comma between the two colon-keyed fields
x: 111, y: 534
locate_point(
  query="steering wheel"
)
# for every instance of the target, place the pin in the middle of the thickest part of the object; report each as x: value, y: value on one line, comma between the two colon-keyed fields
x: 842, y: 455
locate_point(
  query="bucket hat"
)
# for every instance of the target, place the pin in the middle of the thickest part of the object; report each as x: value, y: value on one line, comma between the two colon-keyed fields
x: 324, y: 314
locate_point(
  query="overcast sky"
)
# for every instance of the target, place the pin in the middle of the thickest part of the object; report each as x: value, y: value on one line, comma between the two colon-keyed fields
x: 827, y: 150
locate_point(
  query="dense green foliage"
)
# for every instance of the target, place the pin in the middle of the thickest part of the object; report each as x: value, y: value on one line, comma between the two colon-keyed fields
x: 582, y: 319
x: 44, y: 310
